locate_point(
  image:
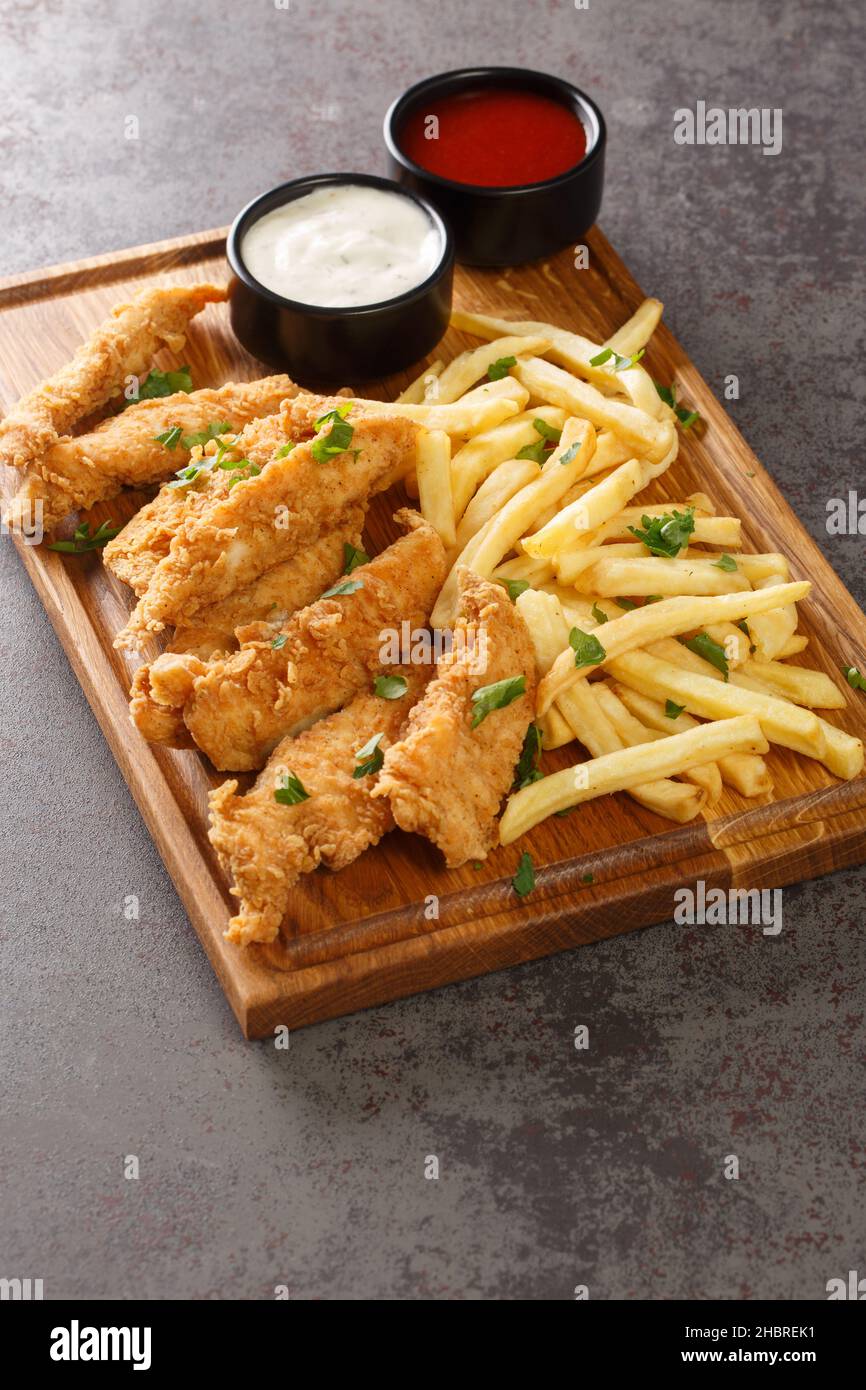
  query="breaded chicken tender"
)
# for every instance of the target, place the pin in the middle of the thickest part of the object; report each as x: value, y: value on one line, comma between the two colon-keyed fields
x: 264, y: 846
x: 444, y: 778
x: 267, y: 518
x: 124, y: 345
x: 280, y: 684
x: 126, y: 451
x: 269, y: 600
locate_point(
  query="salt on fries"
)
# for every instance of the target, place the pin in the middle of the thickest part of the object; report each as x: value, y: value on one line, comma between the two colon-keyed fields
x: 533, y: 478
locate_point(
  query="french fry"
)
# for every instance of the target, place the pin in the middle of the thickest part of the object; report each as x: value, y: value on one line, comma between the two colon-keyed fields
x: 463, y: 418
x: 569, y: 349
x: 610, y: 451
x: 477, y: 459
x: 733, y: 641
x: 506, y: 479
x: 646, y: 436
x: 626, y: 768
x: 793, y: 647
x: 796, y: 683
x: 433, y: 470
x: 783, y: 723
x: 471, y: 366
x: 636, y: 332
x: 745, y: 772
x: 656, y: 621
x: 772, y: 630
x: 524, y: 567
x: 633, y: 732
x: 587, y: 722
x: 724, y: 531
x: 655, y: 575
x: 488, y: 548
x: 592, y: 510
x: 418, y: 390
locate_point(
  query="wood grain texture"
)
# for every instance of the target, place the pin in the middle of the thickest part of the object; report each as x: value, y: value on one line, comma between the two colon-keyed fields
x: 362, y: 936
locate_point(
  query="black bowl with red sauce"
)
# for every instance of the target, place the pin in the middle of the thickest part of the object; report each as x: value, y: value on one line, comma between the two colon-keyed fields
x: 512, y: 159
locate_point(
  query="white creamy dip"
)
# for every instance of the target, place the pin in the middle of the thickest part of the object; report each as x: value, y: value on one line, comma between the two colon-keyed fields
x: 343, y: 245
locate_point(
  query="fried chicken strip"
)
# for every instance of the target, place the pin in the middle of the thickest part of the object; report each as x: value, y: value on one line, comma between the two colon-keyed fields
x: 265, y: 846
x: 242, y: 705
x: 443, y: 778
x: 123, y: 452
x: 124, y: 345
x: 270, y: 600
x: 267, y: 518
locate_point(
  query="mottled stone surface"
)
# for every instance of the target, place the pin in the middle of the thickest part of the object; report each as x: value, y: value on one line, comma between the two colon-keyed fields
x: 601, y: 1168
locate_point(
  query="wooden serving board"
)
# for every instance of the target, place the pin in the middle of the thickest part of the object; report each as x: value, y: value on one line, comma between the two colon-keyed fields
x: 363, y: 936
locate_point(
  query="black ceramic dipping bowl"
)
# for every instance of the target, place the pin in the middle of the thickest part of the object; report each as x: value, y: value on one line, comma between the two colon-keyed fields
x: 337, y: 345
x: 505, y: 226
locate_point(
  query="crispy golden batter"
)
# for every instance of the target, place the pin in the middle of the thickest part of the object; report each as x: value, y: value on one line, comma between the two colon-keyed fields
x: 124, y: 345
x: 125, y: 452
x: 270, y: 600
x: 265, y: 846
x: 445, y: 779
x: 268, y: 518
x: 277, y: 685
x: 145, y: 540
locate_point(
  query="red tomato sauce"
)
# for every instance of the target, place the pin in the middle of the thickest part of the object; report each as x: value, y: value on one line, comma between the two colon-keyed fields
x: 495, y: 138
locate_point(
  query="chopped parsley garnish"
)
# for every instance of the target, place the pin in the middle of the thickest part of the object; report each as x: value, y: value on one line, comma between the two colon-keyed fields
x: 369, y: 758
x: 213, y: 431
x: 286, y: 450
x: 725, y: 562
x: 515, y: 587
x: 687, y: 418
x: 498, y: 369
x: 619, y: 363
x: 228, y: 464
x: 391, y: 687
x: 546, y: 444
x: 496, y: 696
x: 339, y: 437
x: 280, y: 640
x: 627, y: 603
x: 523, y: 881
x: 82, y: 540
x: 598, y: 615
x: 703, y: 645
x: 184, y: 476
x: 854, y: 678
x: 170, y: 438
x: 291, y: 791
x: 587, y: 649
x: 673, y: 711
x: 666, y: 535
x: 251, y: 470
x: 587, y: 878
x: 158, y: 384
x: 353, y: 556
x: 527, y: 769
x: 570, y: 453
x: 652, y: 598
x: 346, y: 586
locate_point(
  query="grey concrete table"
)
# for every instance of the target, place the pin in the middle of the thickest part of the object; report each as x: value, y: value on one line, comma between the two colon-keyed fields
x: 261, y: 1168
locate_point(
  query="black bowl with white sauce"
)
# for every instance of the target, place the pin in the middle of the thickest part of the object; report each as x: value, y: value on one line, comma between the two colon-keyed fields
x: 340, y: 278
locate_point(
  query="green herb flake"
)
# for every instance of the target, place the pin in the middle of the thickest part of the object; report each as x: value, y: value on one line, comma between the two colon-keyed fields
x: 537, y: 452
x: 213, y: 431
x: 170, y: 438
x: 346, y: 586
x: 488, y: 698
x: 82, y: 541
x: 666, y: 535
x: 353, y: 556
x: 291, y: 791
x: 620, y: 363
x: 515, y: 587
x: 339, y: 437
x: 550, y: 437
x: 673, y: 711
x: 286, y: 450
x: 598, y: 615
x: 158, y: 384
x: 549, y: 432
x: 587, y: 649
x: 571, y: 453
x: 653, y: 598
x: 498, y: 369
x: 627, y: 603
x: 523, y: 881
x: 704, y: 646
x: 687, y: 418
x: 726, y: 563
x: 280, y: 640
x: 370, y: 758
x: 527, y: 770
x: 588, y: 878
x: 390, y: 687
x: 854, y: 677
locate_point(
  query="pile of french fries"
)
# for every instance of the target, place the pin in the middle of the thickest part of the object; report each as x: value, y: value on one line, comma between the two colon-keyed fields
x: 532, y: 478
